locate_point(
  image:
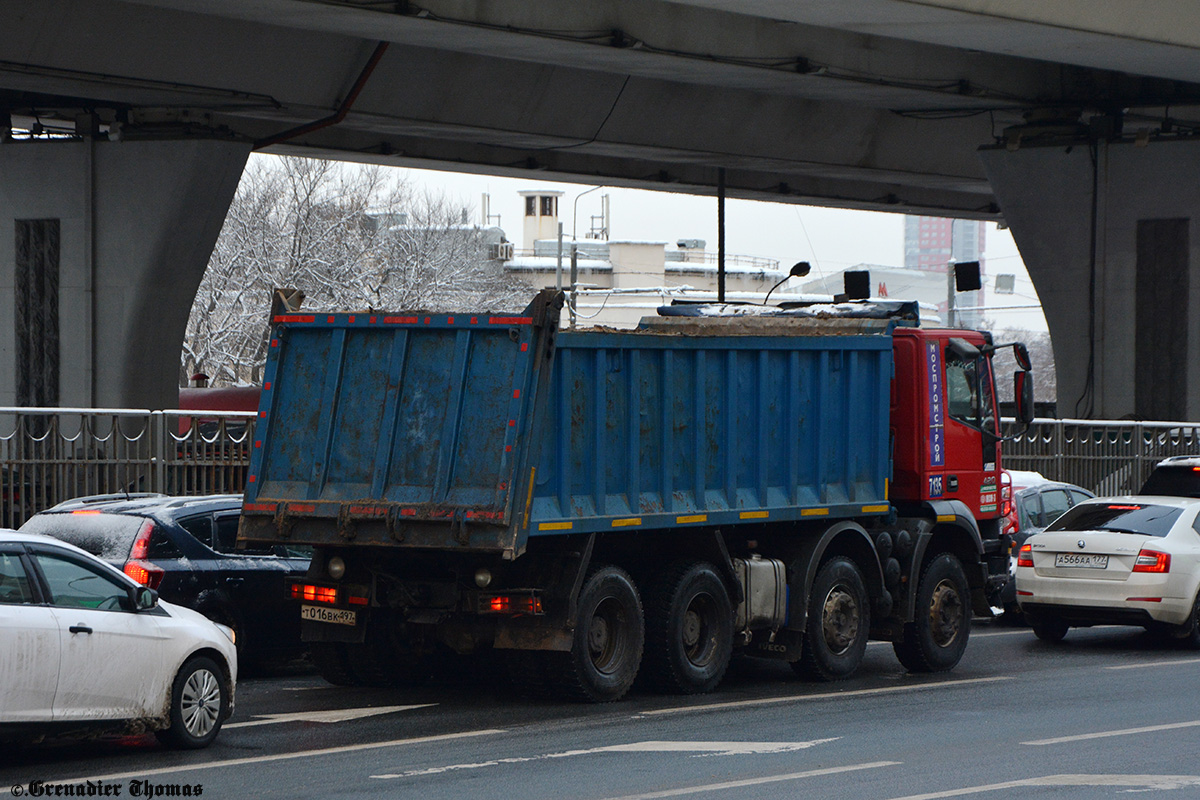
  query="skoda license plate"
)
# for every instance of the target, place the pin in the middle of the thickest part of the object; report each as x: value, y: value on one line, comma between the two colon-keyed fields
x: 338, y: 616
x: 1084, y: 560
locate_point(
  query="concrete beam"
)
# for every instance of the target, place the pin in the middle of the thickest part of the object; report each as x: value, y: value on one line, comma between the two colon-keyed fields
x: 1106, y: 232
x: 137, y: 223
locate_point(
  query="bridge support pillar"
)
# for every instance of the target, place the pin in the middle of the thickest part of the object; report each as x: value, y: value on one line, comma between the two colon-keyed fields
x: 102, y: 247
x: 1104, y: 230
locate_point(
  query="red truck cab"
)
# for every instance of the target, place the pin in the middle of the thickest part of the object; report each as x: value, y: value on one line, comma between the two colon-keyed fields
x: 945, y: 427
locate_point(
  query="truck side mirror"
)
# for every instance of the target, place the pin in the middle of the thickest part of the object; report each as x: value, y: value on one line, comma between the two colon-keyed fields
x: 1023, y: 392
x: 1021, y: 354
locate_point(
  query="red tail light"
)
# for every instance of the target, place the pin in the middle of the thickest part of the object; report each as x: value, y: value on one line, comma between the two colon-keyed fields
x: 137, y: 567
x: 144, y: 573
x: 510, y: 604
x: 1152, y: 561
x: 1025, y: 556
x: 315, y: 594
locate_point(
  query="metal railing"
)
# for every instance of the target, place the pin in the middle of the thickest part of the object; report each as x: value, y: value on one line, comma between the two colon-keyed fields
x: 1106, y: 456
x: 48, y: 455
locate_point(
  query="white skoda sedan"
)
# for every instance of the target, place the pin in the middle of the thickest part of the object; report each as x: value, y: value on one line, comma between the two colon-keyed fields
x: 83, y: 647
x: 1116, y: 560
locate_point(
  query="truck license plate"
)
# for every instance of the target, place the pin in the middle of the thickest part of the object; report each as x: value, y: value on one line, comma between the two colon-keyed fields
x: 1085, y: 560
x: 339, y: 616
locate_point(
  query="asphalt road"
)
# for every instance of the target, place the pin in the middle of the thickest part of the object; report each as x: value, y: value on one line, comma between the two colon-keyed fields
x: 1107, y: 712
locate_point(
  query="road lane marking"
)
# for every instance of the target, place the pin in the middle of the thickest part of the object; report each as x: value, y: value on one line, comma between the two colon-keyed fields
x: 1158, y: 663
x: 726, y: 785
x: 1139, y: 782
x: 700, y: 748
x: 974, y: 635
x: 990, y: 634
x: 235, y: 762
x: 335, y: 715
x: 1124, y: 732
x: 796, y: 698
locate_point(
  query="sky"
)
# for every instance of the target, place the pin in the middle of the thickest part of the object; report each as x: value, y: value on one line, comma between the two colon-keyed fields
x: 830, y: 239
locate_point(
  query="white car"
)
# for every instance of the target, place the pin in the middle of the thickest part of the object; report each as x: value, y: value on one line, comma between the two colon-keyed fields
x: 83, y: 646
x: 1115, y: 560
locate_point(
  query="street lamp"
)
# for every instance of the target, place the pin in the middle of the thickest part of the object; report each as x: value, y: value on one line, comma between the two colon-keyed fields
x: 575, y: 212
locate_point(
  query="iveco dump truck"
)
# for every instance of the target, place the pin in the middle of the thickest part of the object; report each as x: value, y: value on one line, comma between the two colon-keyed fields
x: 592, y: 505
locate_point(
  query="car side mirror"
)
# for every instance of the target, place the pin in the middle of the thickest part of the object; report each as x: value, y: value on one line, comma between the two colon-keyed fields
x: 142, y: 598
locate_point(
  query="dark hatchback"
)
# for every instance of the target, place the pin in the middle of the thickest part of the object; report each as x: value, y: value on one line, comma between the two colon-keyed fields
x: 185, y: 547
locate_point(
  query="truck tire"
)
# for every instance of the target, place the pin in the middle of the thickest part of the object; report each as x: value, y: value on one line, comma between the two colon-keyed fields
x: 527, y: 672
x: 936, y: 639
x: 331, y: 661
x: 383, y: 660
x: 689, y: 629
x: 839, y: 623
x: 607, y: 642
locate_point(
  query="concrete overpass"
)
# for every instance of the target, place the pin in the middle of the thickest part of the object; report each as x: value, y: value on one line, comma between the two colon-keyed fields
x: 1072, y: 122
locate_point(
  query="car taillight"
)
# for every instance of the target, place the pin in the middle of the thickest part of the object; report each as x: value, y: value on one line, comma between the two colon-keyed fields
x: 144, y: 573
x: 1152, y: 561
x: 1025, y: 556
x: 137, y: 567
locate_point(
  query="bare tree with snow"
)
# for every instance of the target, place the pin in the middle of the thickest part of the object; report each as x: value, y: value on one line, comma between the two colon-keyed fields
x: 351, y: 238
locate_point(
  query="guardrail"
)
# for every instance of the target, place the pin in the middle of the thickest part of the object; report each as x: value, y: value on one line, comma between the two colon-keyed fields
x: 48, y: 455
x: 1105, y: 456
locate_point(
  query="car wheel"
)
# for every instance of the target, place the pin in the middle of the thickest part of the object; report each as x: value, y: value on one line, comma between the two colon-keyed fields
x: 1049, y: 630
x: 936, y: 639
x: 1188, y: 634
x: 199, y: 705
x: 839, y: 623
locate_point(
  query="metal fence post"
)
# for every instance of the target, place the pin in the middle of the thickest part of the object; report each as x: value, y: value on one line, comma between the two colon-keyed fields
x: 1060, y: 458
x: 158, y: 449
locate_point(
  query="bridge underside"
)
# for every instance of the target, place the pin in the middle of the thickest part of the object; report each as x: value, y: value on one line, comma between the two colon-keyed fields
x: 874, y: 104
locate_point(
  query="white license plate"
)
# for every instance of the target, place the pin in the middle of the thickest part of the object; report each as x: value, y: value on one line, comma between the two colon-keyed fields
x: 1084, y: 560
x: 338, y: 616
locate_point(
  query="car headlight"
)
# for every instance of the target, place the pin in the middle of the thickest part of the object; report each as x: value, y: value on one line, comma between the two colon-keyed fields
x: 229, y: 632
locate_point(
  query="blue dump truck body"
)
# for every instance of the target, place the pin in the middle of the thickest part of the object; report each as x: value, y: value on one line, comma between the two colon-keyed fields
x: 439, y: 417
x: 597, y: 502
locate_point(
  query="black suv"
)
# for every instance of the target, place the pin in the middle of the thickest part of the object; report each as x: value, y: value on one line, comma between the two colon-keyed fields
x: 185, y: 547
x: 1177, y: 476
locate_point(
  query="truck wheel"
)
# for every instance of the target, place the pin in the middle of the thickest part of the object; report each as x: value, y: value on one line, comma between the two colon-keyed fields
x: 936, y: 639
x: 689, y: 629
x: 199, y: 704
x: 527, y: 672
x: 331, y: 661
x: 608, y: 638
x: 1049, y: 630
x: 383, y: 659
x: 839, y: 623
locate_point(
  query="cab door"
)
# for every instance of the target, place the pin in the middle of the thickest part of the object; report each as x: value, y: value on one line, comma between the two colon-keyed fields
x: 971, y: 470
x: 29, y: 643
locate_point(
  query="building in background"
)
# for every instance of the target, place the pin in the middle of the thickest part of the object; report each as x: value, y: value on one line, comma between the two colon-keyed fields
x: 621, y: 281
x: 933, y: 243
